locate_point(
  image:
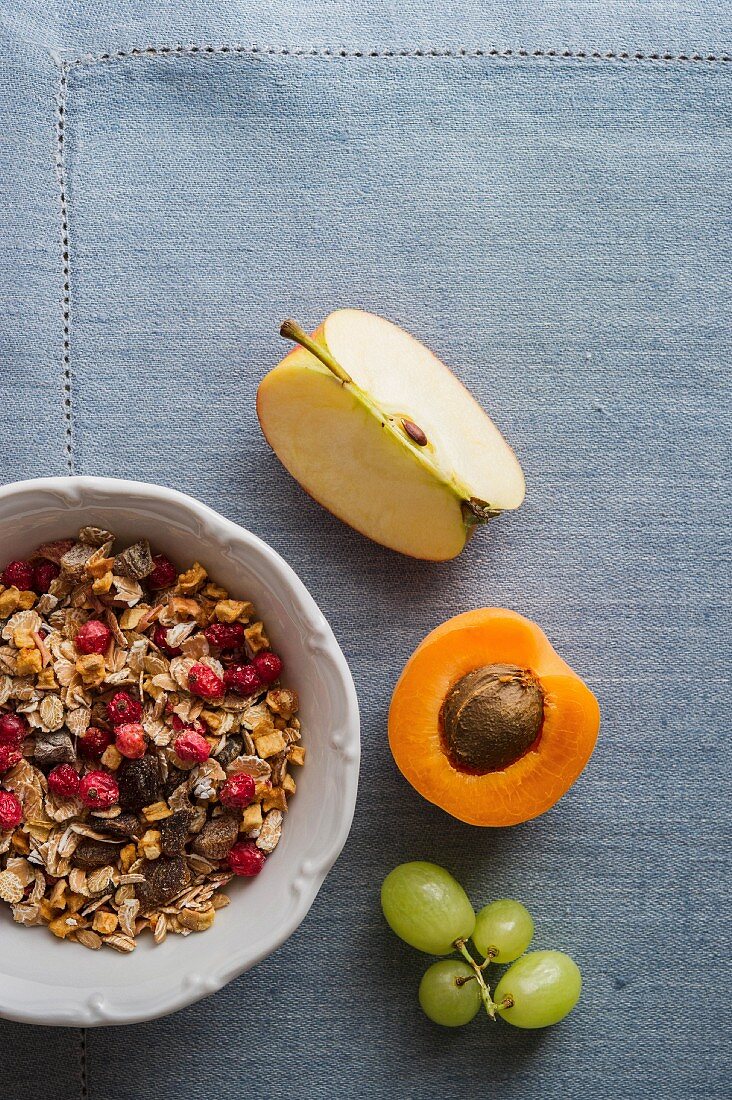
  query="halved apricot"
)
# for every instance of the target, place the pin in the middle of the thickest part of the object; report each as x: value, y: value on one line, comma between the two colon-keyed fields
x: 488, y: 722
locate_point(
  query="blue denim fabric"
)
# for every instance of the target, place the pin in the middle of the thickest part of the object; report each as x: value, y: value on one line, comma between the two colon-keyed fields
x: 557, y: 228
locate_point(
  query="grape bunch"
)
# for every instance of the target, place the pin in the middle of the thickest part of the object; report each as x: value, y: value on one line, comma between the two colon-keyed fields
x: 429, y: 910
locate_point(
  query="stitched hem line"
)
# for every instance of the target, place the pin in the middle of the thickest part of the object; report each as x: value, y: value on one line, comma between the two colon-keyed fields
x: 193, y: 49
x: 66, y: 296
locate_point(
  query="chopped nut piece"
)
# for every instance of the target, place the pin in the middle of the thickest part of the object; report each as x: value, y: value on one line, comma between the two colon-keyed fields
x: 256, y: 638
x: 192, y: 579
x: 91, y: 668
x: 215, y: 592
x: 127, y: 856
x: 288, y: 784
x: 29, y: 662
x: 275, y: 800
x: 64, y: 925
x: 197, y: 920
x: 270, y: 744
x: 283, y: 701
x: 9, y: 602
x: 183, y: 609
x: 23, y: 638
x: 232, y: 611
x: 26, y: 600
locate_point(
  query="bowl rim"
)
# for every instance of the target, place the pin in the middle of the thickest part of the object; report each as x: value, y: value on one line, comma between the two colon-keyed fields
x: 21, y: 999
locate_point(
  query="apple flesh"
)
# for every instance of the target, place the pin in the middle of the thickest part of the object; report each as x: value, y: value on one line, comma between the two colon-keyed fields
x: 379, y: 431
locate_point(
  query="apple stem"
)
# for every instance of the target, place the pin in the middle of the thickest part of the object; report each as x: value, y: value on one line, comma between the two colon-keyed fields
x: 292, y: 331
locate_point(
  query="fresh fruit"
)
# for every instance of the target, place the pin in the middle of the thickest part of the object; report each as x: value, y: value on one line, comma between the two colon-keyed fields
x: 503, y: 930
x: 204, y: 682
x: 268, y: 665
x: 18, y: 574
x: 13, y: 728
x: 542, y: 987
x: 426, y: 907
x: 191, y: 747
x: 64, y: 781
x: 449, y: 993
x: 488, y: 722
x: 11, y: 811
x: 93, y: 637
x: 164, y: 573
x: 98, y: 790
x: 381, y: 433
x: 130, y: 740
x: 123, y: 708
x: 242, y: 679
x: 246, y: 859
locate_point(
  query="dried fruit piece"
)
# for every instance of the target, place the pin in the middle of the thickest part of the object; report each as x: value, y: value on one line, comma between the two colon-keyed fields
x: 204, y: 682
x: 225, y: 635
x: 140, y: 783
x: 130, y: 740
x: 11, y: 811
x: 191, y: 747
x: 44, y: 574
x: 93, y: 637
x: 98, y: 790
x: 246, y: 859
x: 123, y: 708
x: 13, y: 729
x: 268, y: 665
x: 174, y: 832
x: 123, y: 826
x: 9, y: 757
x: 217, y: 837
x: 164, y: 879
x: 136, y: 561
x: 91, y: 854
x: 243, y: 680
x: 163, y: 575
x: 18, y: 574
x: 238, y: 791
x: 63, y: 781
x: 94, y: 741
x: 54, y: 748
x: 160, y: 637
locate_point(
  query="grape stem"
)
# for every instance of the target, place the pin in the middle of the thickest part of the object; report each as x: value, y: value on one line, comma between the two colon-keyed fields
x: 485, y: 993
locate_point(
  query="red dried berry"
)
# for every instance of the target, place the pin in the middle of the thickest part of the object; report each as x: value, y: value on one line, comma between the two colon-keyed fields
x: 44, y: 574
x: 11, y: 811
x: 130, y: 740
x: 64, y: 781
x: 203, y: 681
x: 98, y: 790
x: 93, y: 637
x: 191, y: 747
x: 123, y: 708
x: 13, y: 729
x: 160, y: 637
x: 243, y: 679
x: 164, y: 574
x: 237, y: 792
x: 268, y: 665
x: 225, y: 635
x: 94, y: 741
x: 18, y: 574
x: 246, y: 859
x: 9, y: 757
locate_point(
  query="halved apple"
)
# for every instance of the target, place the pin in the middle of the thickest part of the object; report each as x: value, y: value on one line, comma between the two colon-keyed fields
x: 379, y: 431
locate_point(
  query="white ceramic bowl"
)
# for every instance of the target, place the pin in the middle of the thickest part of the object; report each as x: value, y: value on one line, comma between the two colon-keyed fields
x: 45, y: 981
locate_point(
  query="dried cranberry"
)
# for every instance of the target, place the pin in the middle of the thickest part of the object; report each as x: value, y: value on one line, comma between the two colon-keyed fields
x: 203, y: 681
x: 94, y: 741
x: 191, y: 747
x: 13, y: 728
x: 130, y: 740
x: 225, y: 635
x: 160, y: 637
x: 93, y: 637
x: 11, y: 811
x: 246, y: 859
x: 237, y: 792
x: 243, y: 679
x: 44, y: 574
x: 9, y: 757
x: 268, y: 665
x: 18, y: 574
x: 123, y: 708
x: 98, y: 790
x: 64, y: 781
x: 164, y: 573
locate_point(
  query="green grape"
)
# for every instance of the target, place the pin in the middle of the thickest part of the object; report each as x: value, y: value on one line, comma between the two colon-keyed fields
x: 506, y: 927
x: 443, y: 1000
x: 544, y: 986
x: 426, y: 907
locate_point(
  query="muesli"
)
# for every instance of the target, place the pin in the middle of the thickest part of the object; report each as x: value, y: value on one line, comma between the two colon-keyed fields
x: 145, y: 742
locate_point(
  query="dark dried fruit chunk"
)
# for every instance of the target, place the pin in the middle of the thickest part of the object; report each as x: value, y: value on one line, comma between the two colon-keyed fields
x: 74, y: 560
x: 174, y: 832
x: 234, y: 747
x: 91, y: 854
x: 164, y: 879
x: 136, y: 561
x: 217, y: 837
x: 176, y: 776
x: 124, y: 825
x: 140, y: 783
x: 54, y: 748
